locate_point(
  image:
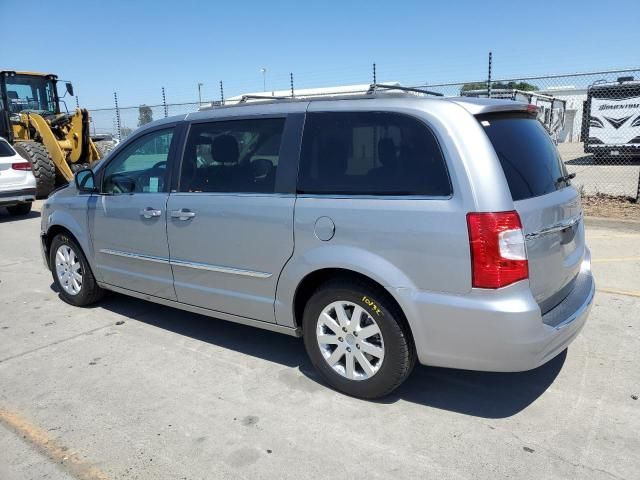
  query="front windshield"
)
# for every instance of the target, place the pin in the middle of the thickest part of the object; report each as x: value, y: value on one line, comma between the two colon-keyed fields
x: 27, y: 92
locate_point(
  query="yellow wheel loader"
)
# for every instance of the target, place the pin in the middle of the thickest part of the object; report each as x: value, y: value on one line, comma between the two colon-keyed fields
x: 56, y: 143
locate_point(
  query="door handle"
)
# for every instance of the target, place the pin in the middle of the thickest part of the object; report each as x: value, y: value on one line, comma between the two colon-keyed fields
x: 150, y: 212
x: 183, y: 214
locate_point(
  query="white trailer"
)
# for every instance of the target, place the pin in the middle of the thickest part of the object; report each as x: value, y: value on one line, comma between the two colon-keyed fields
x: 611, y: 120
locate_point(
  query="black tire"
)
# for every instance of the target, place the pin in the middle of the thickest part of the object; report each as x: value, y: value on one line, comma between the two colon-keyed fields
x: 104, y: 147
x: 89, y: 292
x: 20, y: 209
x: 42, y: 165
x: 399, y: 350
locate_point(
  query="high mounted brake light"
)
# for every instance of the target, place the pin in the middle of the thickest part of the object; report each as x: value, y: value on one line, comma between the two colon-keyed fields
x: 498, y: 253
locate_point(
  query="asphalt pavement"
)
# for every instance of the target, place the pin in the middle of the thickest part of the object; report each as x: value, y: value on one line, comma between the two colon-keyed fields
x: 132, y: 390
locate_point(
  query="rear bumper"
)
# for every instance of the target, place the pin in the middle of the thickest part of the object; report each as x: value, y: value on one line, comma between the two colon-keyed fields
x: 500, y: 331
x: 21, y: 195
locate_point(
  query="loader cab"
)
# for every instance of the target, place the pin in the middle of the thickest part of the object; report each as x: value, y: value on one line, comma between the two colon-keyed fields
x: 23, y: 92
x: 34, y: 92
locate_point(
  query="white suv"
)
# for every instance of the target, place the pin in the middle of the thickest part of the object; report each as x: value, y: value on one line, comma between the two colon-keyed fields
x: 17, y: 183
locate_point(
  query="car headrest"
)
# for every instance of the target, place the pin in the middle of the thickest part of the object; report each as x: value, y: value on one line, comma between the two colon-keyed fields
x: 225, y: 149
x: 12, y: 95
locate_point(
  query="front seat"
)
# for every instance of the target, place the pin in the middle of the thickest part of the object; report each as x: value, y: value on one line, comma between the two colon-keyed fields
x: 192, y: 180
x: 228, y: 175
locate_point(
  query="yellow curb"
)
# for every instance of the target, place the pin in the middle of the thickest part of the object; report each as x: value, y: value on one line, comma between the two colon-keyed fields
x: 67, y: 459
x: 619, y: 292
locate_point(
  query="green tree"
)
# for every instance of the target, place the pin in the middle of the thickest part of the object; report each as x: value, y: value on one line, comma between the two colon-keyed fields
x: 145, y: 115
x: 527, y: 87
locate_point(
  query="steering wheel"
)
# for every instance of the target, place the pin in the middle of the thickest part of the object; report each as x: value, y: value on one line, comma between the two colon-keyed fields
x: 121, y: 183
x: 162, y: 164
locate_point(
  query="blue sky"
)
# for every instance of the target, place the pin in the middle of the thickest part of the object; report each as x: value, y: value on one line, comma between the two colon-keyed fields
x: 136, y: 47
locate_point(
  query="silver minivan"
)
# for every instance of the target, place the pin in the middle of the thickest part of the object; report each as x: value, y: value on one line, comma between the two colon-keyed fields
x: 384, y: 228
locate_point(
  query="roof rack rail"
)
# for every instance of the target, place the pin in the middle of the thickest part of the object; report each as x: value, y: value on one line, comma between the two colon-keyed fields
x: 365, y: 90
x: 384, y: 86
x: 260, y: 97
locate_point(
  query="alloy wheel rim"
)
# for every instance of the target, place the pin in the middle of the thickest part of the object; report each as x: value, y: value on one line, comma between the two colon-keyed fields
x: 350, y: 340
x: 68, y: 270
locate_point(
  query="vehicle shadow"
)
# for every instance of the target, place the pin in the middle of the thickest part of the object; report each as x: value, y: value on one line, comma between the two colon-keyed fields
x: 479, y: 394
x: 6, y: 218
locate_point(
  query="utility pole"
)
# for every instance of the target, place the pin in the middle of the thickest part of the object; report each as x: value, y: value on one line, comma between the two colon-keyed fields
x: 200, y: 94
x: 263, y: 70
x: 164, y: 104
x: 118, y: 130
x: 489, y: 75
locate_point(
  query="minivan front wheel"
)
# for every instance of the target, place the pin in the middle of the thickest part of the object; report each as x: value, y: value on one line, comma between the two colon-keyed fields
x: 71, y: 272
x: 356, y: 339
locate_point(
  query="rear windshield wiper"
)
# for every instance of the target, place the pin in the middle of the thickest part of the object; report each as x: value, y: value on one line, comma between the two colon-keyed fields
x: 566, y: 178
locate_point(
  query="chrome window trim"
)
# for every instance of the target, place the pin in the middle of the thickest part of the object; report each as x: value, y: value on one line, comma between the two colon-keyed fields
x: 183, y: 263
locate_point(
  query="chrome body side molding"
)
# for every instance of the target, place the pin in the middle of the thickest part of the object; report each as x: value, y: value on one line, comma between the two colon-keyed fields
x: 137, y: 256
x: 182, y: 263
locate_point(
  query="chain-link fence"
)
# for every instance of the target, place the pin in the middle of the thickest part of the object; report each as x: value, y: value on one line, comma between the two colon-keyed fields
x: 593, y: 117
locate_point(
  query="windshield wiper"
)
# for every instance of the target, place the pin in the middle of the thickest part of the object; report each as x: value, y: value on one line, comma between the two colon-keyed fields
x: 566, y: 178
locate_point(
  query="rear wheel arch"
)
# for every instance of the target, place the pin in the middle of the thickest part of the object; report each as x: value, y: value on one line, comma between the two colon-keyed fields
x: 316, y: 279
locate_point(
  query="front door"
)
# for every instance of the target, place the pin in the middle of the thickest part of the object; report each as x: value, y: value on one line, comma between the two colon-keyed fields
x: 128, y: 219
x: 230, y: 226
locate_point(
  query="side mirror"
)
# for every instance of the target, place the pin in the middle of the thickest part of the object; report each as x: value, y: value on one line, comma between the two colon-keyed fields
x: 85, y: 180
x: 69, y: 88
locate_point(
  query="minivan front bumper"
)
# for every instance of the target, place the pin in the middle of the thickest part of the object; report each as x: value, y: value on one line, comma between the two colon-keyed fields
x: 496, y: 330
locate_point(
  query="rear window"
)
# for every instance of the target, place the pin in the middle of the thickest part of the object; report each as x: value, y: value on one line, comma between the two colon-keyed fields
x: 370, y: 153
x: 5, y: 149
x: 530, y: 160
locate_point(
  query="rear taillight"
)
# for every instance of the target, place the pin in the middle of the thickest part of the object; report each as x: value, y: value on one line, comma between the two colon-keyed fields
x: 21, y: 166
x: 498, y: 254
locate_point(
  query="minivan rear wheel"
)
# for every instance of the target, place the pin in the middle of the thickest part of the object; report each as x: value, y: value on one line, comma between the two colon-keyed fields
x: 357, y: 339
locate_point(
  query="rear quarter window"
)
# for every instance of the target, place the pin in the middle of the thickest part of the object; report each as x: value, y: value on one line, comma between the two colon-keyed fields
x: 371, y: 153
x: 529, y: 158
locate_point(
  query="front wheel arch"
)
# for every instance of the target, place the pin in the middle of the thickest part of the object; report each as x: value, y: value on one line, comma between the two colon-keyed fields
x: 51, y: 234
